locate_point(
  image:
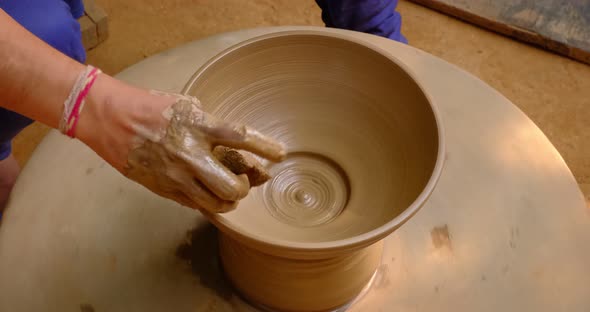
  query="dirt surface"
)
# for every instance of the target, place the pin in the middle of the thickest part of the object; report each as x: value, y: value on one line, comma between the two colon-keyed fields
x: 552, y: 90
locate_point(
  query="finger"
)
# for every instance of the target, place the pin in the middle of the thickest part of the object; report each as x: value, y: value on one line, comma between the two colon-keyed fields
x: 246, y: 138
x: 215, y: 176
x: 195, y: 195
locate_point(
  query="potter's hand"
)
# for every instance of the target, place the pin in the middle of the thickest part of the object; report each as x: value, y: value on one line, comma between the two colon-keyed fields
x: 176, y: 161
x: 165, y: 142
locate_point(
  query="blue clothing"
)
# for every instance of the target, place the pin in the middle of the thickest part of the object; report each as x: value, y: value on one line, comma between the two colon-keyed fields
x: 53, y: 21
x: 377, y: 17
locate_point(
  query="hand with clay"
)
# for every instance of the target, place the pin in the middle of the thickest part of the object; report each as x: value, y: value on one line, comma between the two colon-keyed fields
x: 165, y: 142
x: 174, y: 156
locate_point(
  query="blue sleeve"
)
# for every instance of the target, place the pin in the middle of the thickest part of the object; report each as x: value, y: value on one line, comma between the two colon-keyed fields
x: 377, y: 17
x: 53, y: 21
x: 76, y: 7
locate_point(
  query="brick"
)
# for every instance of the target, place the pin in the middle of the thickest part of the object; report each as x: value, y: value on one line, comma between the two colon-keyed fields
x: 99, y: 17
x: 89, y: 33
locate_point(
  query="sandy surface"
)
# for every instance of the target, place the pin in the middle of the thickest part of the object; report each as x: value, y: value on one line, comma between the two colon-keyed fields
x: 552, y: 90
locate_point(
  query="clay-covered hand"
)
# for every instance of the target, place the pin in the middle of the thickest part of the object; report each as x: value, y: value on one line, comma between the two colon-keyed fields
x: 176, y: 159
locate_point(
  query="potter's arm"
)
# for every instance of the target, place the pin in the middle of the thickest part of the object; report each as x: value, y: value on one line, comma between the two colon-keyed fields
x: 34, y: 78
x: 162, y: 141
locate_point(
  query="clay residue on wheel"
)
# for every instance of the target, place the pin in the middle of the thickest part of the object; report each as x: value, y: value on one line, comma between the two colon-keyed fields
x: 199, y: 250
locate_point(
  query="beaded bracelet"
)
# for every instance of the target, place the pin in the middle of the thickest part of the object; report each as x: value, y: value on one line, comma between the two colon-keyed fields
x: 76, y: 99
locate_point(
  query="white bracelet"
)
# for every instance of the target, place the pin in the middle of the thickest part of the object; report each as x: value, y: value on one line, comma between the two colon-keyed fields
x: 74, y: 104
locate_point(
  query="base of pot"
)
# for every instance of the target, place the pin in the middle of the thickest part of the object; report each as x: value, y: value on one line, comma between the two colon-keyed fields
x: 275, y: 284
x: 342, y: 308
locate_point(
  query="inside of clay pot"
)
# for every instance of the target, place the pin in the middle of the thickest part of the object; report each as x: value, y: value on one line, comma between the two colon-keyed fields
x: 361, y: 135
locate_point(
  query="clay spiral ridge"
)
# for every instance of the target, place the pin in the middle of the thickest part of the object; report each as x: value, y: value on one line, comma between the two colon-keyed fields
x: 307, y: 190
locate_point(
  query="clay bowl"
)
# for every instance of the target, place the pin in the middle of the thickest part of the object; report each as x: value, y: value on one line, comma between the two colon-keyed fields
x: 365, y: 152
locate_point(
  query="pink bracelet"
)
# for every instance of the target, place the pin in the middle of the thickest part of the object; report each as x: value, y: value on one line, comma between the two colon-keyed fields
x: 76, y: 99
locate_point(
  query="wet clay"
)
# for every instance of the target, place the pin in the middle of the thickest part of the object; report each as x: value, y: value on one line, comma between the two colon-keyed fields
x: 179, y: 162
x: 240, y: 162
x: 363, y: 155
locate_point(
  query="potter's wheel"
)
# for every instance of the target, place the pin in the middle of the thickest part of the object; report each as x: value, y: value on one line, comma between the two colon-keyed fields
x: 505, y: 230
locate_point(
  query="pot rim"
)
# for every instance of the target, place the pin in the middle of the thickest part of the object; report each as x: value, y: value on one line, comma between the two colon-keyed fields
x: 358, y: 241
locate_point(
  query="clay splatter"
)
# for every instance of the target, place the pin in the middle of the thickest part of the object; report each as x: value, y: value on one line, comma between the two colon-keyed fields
x: 113, y: 262
x: 538, y: 273
x: 441, y: 237
x: 505, y: 269
x: 513, y: 237
x: 199, y: 250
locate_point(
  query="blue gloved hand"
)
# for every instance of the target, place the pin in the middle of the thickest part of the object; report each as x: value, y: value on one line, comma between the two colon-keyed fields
x: 377, y: 17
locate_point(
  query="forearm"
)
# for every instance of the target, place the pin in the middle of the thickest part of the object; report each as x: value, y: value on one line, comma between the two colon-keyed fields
x: 163, y: 141
x: 35, y: 79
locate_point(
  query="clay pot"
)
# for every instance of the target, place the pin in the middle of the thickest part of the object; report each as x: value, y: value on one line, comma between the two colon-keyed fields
x: 365, y: 152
